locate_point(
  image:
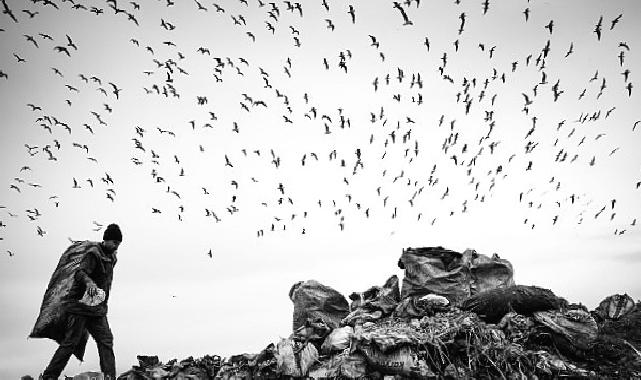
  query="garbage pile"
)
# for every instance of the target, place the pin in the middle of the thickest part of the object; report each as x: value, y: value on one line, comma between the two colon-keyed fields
x: 455, y: 316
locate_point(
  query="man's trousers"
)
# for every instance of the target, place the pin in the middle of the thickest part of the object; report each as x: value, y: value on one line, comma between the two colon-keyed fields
x: 98, y: 328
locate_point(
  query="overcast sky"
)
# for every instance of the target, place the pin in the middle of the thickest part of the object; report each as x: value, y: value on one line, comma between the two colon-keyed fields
x: 479, y: 152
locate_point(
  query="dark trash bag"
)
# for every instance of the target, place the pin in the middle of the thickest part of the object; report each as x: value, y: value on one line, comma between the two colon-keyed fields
x: 313, y: 300
x: 436, y: 270
x: 492, y: 305
x: 487, y: 272
x: 384, y: 298
x: 51, y: 322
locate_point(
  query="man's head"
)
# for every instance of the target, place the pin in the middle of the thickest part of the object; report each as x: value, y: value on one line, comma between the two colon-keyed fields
x: 112, y: 238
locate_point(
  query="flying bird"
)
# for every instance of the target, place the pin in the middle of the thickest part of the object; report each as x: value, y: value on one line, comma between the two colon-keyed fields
x: 406, y: 20
x: 62, y: 49
x: 70, y: 43
x: 597, y: 28
x: 352, y: 13
x: 615, y: 21
x: 6, y: 10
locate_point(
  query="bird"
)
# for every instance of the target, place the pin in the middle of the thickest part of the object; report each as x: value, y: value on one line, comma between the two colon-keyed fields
x: 486, y: 6
x: 406, y: 20
x: 570, y: 50
x: 615, y: 21
x: 597, y: 28
x: 352, y: 13
x: 6, y: 10
x: 62, y: 49
x: 330, y: 24
x: 116, y: 90
x: 31, y: 39
x: 375, y: 42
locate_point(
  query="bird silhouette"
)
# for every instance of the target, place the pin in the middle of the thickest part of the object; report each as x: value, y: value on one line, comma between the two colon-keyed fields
x: 406, y: 20
x: 352, y: 13
x: 597, y: 28
x: 615, y: 21
x: 62, y: 49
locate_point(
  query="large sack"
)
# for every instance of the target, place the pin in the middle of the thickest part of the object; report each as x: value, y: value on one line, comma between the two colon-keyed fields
x: 51, y: 322
x: 384, y: 298
x: 487, y: 272
x: 403, y: 361
x: 573, y: 331
x: 492, y: 305
x: 387, y: 338
x: 313, y: 300
x: 436, y: 270
x: 343, y: 366
x: 614, y: 307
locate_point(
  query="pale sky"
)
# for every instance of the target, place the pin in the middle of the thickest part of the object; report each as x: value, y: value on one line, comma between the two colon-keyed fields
x: 169, y: 298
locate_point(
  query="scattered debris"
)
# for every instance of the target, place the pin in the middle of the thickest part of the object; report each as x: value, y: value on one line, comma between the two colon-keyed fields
x: 476, y: 324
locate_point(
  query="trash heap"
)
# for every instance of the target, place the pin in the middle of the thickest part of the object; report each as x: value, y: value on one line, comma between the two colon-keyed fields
x: 455, y: 316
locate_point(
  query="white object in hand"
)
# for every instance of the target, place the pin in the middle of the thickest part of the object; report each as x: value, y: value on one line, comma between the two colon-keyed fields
x: 93, y: 300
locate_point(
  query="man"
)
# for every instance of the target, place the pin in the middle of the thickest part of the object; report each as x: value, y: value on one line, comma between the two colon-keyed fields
x: 91, y: 275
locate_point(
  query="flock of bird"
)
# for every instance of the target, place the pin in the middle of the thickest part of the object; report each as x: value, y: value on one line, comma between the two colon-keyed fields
x: 390, y: 169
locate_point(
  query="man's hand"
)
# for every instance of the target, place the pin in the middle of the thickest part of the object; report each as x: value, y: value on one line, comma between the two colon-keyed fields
x: 92, y: 289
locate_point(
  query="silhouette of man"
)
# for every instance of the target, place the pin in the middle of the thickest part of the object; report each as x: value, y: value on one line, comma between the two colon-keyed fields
x: 92, y: 277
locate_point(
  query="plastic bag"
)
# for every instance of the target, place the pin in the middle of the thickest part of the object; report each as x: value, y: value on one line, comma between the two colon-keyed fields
x: 436, y: 270
x: 93, y: 300
x: 51, y: 321
x: 400, y: 361
x: 493, y: 304
x: 337, y: 340
x: 313, y: 300
x: 384, y: 298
